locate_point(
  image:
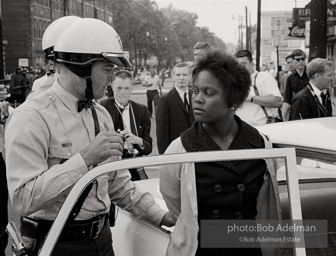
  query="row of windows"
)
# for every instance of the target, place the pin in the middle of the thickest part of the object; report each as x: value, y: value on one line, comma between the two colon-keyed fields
x: 88, y: 11
x: 77, y: 10
x: 57, y: 4
x: 39, y: 27
x: 278, y: 21
x: 279, y: 32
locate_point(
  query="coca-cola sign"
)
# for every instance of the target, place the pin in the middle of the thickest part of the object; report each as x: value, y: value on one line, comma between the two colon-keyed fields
x: 301, y: 15
x: 297, y: 32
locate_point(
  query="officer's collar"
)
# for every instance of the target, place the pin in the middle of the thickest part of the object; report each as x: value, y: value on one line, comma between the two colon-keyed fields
x: 67, y: 98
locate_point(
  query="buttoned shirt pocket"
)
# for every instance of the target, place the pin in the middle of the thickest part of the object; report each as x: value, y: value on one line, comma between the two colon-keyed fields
x: 58, y: 153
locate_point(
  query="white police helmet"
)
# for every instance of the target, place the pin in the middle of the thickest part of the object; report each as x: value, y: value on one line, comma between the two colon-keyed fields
x: 53, y: 31
x: 89, y: 40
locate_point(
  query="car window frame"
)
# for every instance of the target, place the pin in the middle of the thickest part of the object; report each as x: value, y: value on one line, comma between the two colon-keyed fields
x: 287, y: 153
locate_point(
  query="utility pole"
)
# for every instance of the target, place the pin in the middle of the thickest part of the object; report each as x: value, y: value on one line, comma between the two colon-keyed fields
x: 258, y: 35
x: 242, y: 34
x: 51, y: 10
x: 277, y: 67
x: 239, y: 33
x: 1, y: 47
x: 318, y: 28
x: 83, y: 3
x: 250, y: 33
x: 65, y: 7
x: 247, y: 30
x: 95, y: 11
x: 135, y: 56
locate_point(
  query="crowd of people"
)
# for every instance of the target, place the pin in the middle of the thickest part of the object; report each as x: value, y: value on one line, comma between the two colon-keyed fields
x: 21, y: 83
x: 67, y: 125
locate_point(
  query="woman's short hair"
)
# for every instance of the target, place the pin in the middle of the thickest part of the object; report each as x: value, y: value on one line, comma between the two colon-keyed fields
x: 317, y: 66
x: 234, y: 78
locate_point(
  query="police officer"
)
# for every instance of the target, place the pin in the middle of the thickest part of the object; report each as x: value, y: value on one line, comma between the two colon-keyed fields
x: 50, y: 35
x: 55, y: 138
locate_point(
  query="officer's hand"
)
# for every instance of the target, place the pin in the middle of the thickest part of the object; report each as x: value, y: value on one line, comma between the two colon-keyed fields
x: 104, y: 145
x: 168, y: 220
x: 134, y: 140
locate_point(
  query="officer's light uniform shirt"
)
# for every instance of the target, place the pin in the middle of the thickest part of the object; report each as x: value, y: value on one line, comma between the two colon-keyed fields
x: 42, y: 132
x: 42, y: 84
x: 2, y: 131
x: 252, y: 113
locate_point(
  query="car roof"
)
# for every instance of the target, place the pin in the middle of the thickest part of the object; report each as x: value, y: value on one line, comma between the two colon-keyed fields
x: 315, y: 135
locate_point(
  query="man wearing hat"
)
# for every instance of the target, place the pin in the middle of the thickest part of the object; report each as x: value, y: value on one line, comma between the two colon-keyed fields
x: 58, y: 136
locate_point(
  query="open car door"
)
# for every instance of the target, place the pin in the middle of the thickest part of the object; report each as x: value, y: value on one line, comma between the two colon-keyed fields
x: 288, y: 154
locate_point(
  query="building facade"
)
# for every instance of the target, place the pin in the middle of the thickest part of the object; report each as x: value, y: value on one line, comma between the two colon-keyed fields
x: 275, y: 33
x: 24, y: 22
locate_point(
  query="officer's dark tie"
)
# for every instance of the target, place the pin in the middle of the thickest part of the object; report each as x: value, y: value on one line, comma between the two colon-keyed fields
x: 186, y: 104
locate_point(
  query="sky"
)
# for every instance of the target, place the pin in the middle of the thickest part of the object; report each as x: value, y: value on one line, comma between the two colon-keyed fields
x: 222, y: 16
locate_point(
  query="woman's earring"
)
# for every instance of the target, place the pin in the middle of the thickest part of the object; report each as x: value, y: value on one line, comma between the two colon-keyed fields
x: 232, y: 108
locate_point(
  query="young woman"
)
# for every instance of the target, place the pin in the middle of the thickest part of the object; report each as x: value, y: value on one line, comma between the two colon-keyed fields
x: 215, y: 190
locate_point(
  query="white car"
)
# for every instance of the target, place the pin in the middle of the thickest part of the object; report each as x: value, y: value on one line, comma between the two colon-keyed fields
x: 314, y: 164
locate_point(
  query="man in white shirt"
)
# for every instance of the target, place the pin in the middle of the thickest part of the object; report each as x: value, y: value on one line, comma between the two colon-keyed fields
x: 264, y: 92
x: 153, y: 84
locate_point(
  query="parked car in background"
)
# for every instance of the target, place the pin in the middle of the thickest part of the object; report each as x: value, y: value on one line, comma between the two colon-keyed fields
x: 314, y: 143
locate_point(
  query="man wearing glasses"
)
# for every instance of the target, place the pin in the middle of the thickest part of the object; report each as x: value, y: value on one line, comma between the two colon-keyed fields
x: 295, y: 82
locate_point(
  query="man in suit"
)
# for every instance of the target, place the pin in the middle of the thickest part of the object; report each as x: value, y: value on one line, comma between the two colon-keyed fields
x: 129, y: 118
x: 314, y: 100
x: 174, y: 113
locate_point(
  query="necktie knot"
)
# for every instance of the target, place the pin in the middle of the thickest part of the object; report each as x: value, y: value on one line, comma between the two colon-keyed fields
x: 85, y: 104
x: 122, y: 108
